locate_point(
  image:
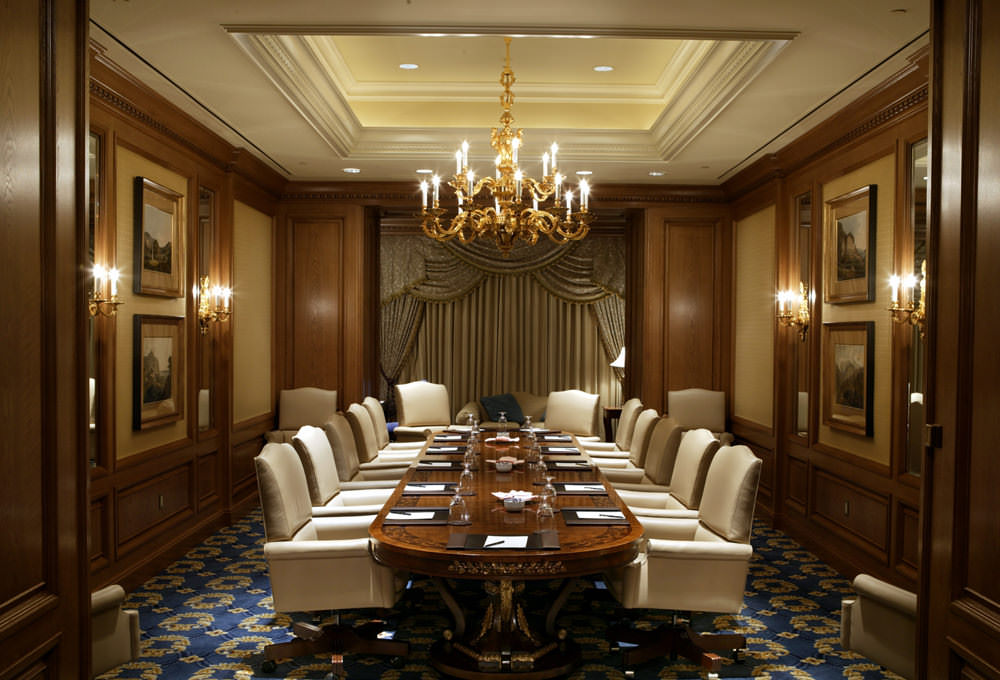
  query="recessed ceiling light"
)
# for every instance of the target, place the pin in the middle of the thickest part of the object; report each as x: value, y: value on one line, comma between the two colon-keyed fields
x: 584, y: 172
x: 604, y: 68
x: 352, y: 171
x: 424, y: 171
x: 656, y: 173
x: 409, y: 67
x: 898, y: 11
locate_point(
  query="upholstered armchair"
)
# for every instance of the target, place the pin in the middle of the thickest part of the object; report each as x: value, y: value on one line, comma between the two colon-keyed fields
x: 366, y: 442
x: 328, y: 499
x: 623, y: 435
x: 423, y: 407
x: 696, y: 564
x: 696, y: 407
x: 681, y: 496
x: 657, y: 463
x: 318, y: 563
x: 382, y: 428
x: 302, y: 406
x: 575, y: 411
x: 114, y: 632
x: 353, y: 473
x: 880, y: 622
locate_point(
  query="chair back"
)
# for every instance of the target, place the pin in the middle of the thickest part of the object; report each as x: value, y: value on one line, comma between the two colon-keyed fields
x: 365, y: 440
x: 696, y: 407
x: 422, y: 403
x: 573, y: 411
x: 316, y: 455
x: 345, y: 451
x: 284, y: 493
x: 694, y: 456
x: 727, y: 503
x: 305, y: 406
x: 626, y: 423
x: 661, y: 451
x: 378, y: 421
x: 644, y: 423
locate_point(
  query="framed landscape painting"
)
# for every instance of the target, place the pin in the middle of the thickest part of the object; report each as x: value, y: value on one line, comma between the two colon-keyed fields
x: 849, y: 269
x: 849, y: 376
x: 158, y: 370
x: 158, y: 250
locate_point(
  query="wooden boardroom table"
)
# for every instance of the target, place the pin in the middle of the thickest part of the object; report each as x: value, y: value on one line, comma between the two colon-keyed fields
x: 505, y: 642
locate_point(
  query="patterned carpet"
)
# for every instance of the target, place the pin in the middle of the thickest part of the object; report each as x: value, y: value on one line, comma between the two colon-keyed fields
x: 209, y: 614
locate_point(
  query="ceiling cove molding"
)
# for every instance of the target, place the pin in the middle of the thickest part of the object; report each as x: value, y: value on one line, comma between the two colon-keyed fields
x: 722, y: 72
x: 302, y: 79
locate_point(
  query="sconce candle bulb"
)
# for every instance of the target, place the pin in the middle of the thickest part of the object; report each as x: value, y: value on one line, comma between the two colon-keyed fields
x: 907, y: 306
x: 799, y: 318
x: 103, y: 299
x: 213, y: 304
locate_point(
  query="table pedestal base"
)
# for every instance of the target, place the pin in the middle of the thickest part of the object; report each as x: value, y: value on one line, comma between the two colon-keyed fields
x: 505, y: 644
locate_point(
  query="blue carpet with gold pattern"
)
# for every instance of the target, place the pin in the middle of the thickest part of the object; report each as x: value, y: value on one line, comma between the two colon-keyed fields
x: 209, y: 614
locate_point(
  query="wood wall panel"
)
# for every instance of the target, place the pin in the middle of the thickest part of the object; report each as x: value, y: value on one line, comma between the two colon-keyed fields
x: 908, y: 538
x: 316, y: 303
x: 690, y: 305
x: 798, y: 484
x: 146, y: 505
x: 853, y: 509
x: 208, y: 480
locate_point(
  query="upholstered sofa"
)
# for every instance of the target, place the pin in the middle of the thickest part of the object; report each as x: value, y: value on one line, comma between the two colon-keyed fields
x: 568, y: 410
x: 532, y: 405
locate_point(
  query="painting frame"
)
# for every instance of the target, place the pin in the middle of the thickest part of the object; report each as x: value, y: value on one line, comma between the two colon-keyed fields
x: 157, y: 399
x: 157, y: 216
x: 850, y: 218
x: 849, y: 376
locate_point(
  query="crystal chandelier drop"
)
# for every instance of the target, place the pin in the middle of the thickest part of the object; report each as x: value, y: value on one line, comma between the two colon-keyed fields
x: 510, y: 205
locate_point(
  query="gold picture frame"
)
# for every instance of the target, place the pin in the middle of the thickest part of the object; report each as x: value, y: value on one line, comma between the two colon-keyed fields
x: 849, y: 376
x: 849, y: 246
x: 158, y: 250
x: 157, y: 370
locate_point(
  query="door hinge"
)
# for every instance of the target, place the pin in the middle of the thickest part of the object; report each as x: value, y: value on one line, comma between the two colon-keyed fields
x: 933, y: 436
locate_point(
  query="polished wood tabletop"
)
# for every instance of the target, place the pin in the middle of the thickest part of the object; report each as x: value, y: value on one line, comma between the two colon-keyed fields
x: 583, y: 549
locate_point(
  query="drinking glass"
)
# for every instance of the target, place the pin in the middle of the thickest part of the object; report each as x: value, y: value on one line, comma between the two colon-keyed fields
x: 465, y: 482
x: 502, y: 425
x: 526, y: 426
x: 458, y: 511
x: 547, y: 499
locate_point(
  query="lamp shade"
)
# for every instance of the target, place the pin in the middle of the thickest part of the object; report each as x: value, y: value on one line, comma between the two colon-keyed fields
x: 619, y: 361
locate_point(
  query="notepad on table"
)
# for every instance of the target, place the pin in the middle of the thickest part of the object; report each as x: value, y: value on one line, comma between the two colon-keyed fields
x: 410, y: 514
x: 511, y: 542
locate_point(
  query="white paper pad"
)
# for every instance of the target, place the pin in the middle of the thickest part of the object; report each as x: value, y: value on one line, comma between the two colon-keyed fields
x: 410, y: 514
x: 448, y: 438
x: 600, y: 514
x: 571, y: 465
x: 443, y: 448
x: 563, y: 449
x: 424, y: 487
x: 583, y: 487
x: 555, y: 438
x: 435, y: 463
x: 505, y: 542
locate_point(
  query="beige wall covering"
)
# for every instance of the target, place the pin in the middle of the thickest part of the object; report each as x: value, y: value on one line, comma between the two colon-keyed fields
x: 252, y: 312
x: 882, y: 173
x: 130, y: 165
x: 753, y: 328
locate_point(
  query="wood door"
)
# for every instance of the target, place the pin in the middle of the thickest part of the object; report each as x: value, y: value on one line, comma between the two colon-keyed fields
x: 44, y: 604
x: 959, y: 634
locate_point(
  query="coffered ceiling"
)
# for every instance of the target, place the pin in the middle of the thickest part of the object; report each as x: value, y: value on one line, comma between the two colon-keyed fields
x: 695, y: 92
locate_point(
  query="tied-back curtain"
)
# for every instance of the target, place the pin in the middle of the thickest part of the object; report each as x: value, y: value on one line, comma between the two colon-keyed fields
x: 548, y: 317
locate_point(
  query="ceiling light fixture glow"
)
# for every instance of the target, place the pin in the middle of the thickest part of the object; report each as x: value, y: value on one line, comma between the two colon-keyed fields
x: 409, y: 67
x: 656, y: 173
x: 425, y: 171
x: 604, y: 68
x: 352, y: 171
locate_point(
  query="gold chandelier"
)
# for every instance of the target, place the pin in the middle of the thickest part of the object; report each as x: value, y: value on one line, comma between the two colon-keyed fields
x: 510, y: 205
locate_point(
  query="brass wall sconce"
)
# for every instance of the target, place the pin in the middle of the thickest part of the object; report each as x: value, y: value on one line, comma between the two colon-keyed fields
x: 906, y: 300
x: 103, y: 300
x: 799, y: 318
x: 213, y: 304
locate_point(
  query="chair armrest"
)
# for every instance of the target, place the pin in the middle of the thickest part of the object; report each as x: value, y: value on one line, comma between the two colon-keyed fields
x: 887, y: 594
x: 607, y: 455
x: 611, y: 463
x: 397, y: 456
x: 345, y: 510
x: 472, y: 407
x: 341, y: 528
x: 670, y: 513
x: 403, y: 446
x: 645, y: 488
x: 670, y: 528
x: 369, y: 484
x: 603, y: 447
x: 623, y: 475
x: 297, y: 551
x: 386, y: 464
x: 696, y: 550
x: 109, y: 597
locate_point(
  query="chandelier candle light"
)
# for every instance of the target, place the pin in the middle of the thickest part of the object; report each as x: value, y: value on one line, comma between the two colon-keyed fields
x: 510, y: 205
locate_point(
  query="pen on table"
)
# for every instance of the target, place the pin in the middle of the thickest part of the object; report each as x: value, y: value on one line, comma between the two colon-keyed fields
x: 493, y: 543
x: 616, y: 515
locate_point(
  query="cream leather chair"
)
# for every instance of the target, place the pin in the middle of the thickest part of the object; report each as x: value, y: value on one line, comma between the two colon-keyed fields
x: 114, y: 632
x: 382, y: 428
x: 658, y: 460
x: 635, y: 457
x: 696, y: 564
x: 575, y: 411
x: 366, y: 442
x: 328, y: 499
x: 318, y: 563
x: 302, y: 406
x: 682, y: 495
x: 423, y: 408
x: 696, y: 407
x: 353, y: 473
x: 623, y: 435
x: 880, y: 622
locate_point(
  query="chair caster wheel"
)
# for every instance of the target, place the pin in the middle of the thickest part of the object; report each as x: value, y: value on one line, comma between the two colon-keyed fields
x: 268, y: 666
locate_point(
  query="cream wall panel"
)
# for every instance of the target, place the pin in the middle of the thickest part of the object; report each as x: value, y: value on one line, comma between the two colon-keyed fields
x: 882, y: 173
x: 252, y: 312
x: 130, y: 165
x: 753, y: 328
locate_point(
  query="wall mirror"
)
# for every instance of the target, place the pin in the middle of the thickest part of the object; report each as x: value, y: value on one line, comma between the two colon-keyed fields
x: 916, y: 377
x: 206, y: 239
x: 802, y: 211
x: 94, y: 178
